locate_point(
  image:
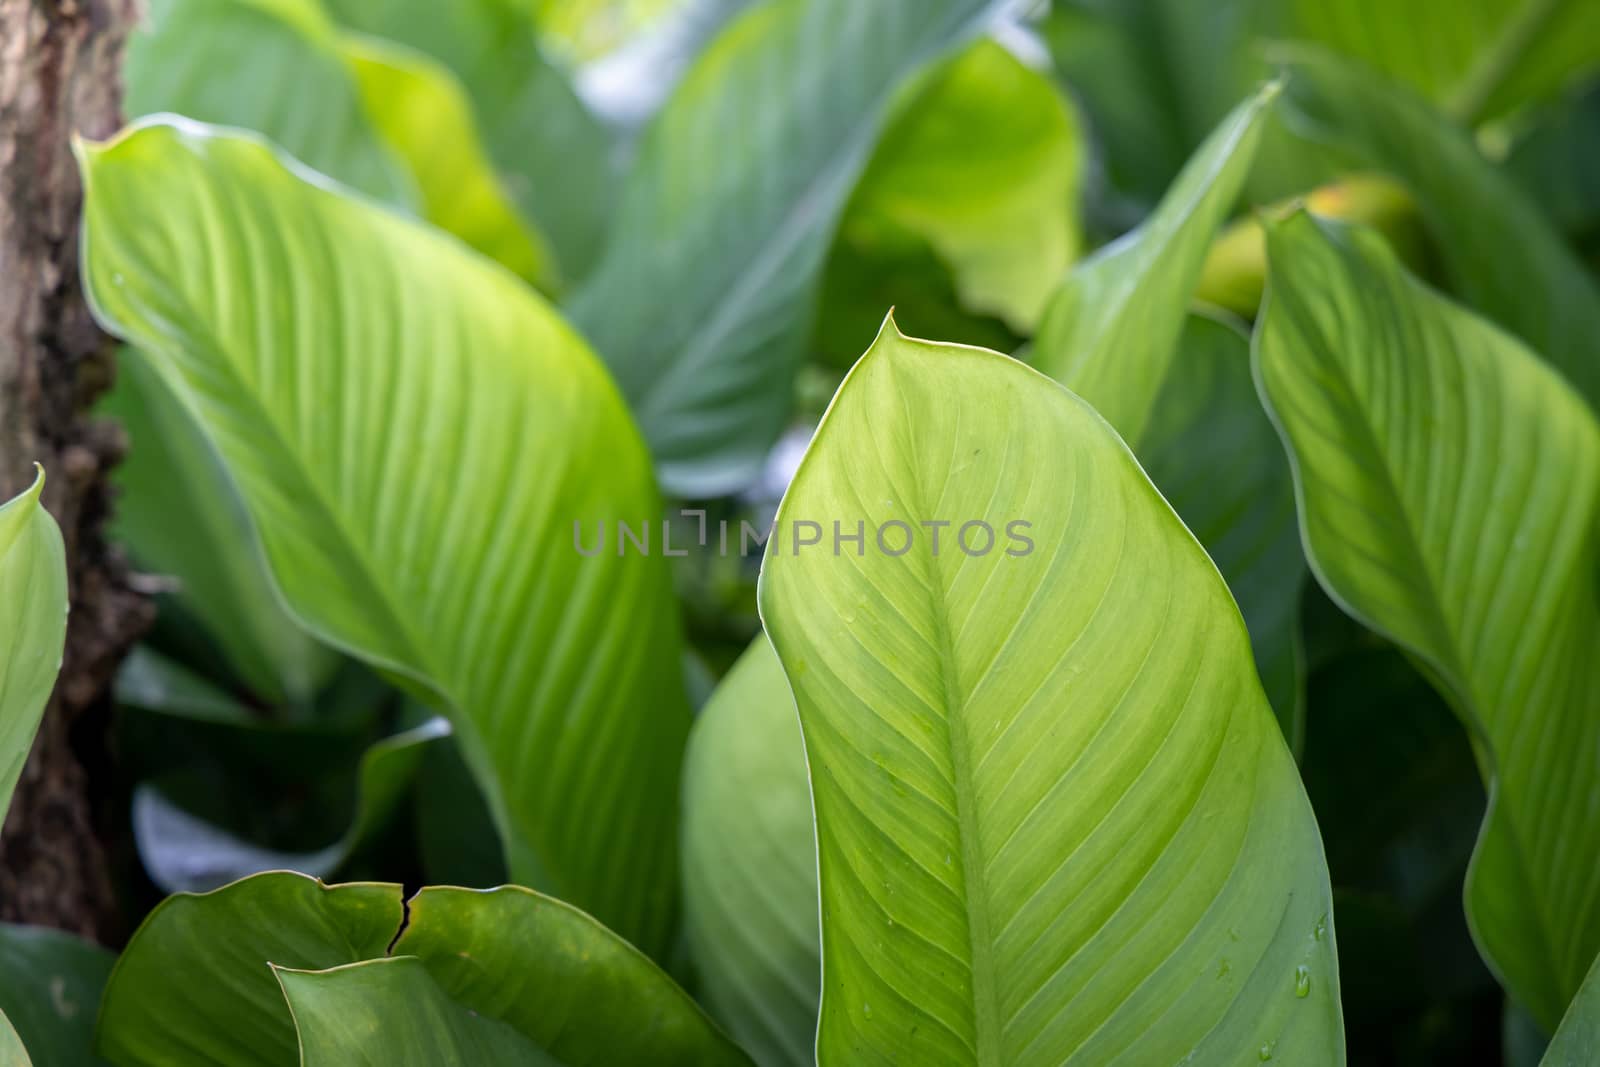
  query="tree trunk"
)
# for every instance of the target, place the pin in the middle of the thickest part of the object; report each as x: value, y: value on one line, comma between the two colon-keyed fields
x: 60, y: 63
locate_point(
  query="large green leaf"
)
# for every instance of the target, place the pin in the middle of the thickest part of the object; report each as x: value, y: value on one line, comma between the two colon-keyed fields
x: 1478, y: 57
x: 1577, y: 1040
x: 1498, y: 248
x: 50, y: 984
x: 376, y: 391
x: 750, y: 863
x: 423, y: 113
x: 33, y: 625
x: 703, y: 302
x: 558, y: 977
x: 1214, y: 455
x: 983, y: 163
x: 194, y: 986
x: 1056, y: 821
x: 1449, y: 485
x: 1111, y: 330
x: 555, y: 156
x: 268, y: 65
x: 389, y: 1013
x: 180, y: 517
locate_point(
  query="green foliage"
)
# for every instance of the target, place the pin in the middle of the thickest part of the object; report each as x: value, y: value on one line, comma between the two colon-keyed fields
x: 950, y: 796
x: 420, y: 298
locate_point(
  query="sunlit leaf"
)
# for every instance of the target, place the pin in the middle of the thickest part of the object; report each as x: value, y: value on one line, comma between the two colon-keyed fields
x: 1056, y: 820
x: 33, y: 625
x: 379, y: 396
x: 1449, y: 484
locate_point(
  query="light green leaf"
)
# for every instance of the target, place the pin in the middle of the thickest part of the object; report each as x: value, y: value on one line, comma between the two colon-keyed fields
x: 376, y: 392
x: 1577, y: 1040
x: 1056, y: 821
x: 1498, y: 248
x: 389, y: 1013
x: 50, y: 984
x: 267, y: 65
x: 559, y: 978
x: 554, y: 155
x: 33, y: 625
x: 750, y: 863
x: 194, y: 986
x: 181, y: 517
x: 1480, y: 58
x: 729, y: 212
x: 11, y: 1048
x: 1112, y: 329
x: 1214, y: 455
x: 422, y: 112
x: 1449, y: 485
x: 983, y: 163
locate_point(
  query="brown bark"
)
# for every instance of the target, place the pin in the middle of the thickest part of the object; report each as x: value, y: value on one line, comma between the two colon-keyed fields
x: 59, y: 75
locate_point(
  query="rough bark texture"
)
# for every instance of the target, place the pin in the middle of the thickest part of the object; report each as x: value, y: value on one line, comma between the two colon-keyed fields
x: 60, y: 75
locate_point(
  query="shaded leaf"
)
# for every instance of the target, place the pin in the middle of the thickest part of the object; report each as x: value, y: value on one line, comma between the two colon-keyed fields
x: 377, y: 419
x: 728, y: 213
x: 1449, y: 484
x: 1056, y: 821
x: 267, y: 65
x: 194, y: 985
x: 389, y: 1013
x: 50, y: 985
x: 750, y: 864
x: 1498, y: 249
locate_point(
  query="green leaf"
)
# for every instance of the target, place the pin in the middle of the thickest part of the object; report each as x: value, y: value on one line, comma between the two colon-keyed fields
x: 1056, y: 821
x: 267, y: 65
x: 50, y: 984
x: 180, y: 516
x: 389, y: 1013
x: 376, y: 397
x: 559, y: 978
x: 193, y: 985
x: 728, y: 214
x: 555, y: 156
x: 1555, y: 158
x: 750, y: 863
x: 422, y: 112
x: 11, y: 1047
x: 983, y: 163
x: 1482, y: 58
x: 1449, y: 485
x: 1112, y: 328
x: 1214, y: 455
x: 1577, y: 1040
x: 1498, y: 249
x: 33, y: 625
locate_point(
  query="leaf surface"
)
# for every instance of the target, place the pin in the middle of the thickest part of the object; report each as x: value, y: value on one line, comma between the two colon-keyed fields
x: 1449, y: 484
x: 1056, y: 820
x: 702, y: 303
x: 50, y: 986
x: 750, y: 863
x: 33, y: 625
x: 414, y: 433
